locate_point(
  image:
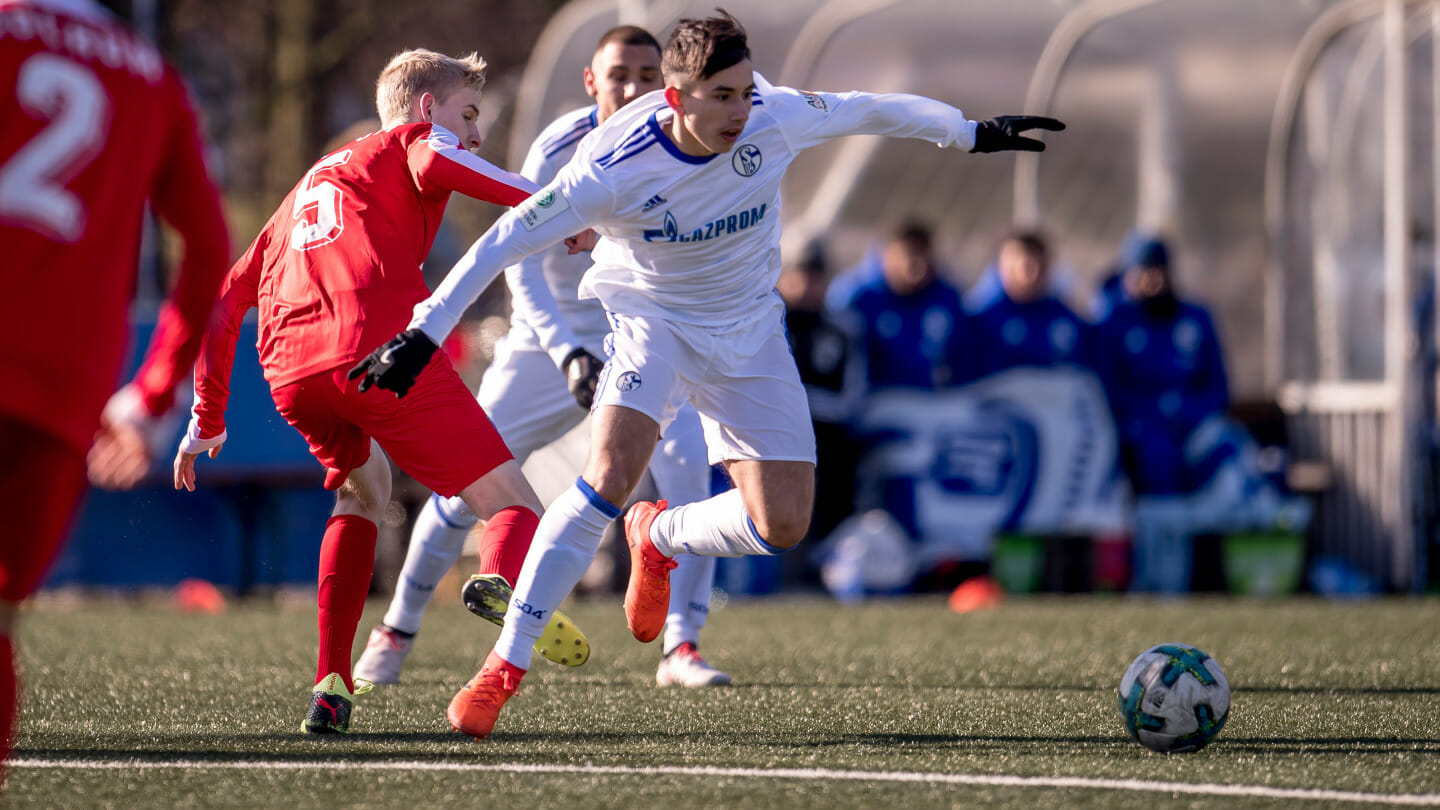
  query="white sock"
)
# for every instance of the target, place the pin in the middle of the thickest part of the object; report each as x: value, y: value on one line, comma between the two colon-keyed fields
x: 563, y: 548
x: 690, y: 585
x: 435, y: 545
x: 714, y: 527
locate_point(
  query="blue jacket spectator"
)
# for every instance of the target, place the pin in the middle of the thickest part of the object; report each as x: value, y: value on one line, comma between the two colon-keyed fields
x: 1164, y: 371
x: 1022, y: 323
x: 840, y: 292
x: 909, y: 325
x: 1112, y: 286
x: 1110, y: 293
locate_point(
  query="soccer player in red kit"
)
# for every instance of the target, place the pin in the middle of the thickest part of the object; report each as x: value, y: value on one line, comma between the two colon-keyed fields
x: 93, y: 123
x: 335, y: 272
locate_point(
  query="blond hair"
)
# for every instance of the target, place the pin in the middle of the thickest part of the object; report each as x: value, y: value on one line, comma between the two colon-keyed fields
x: 416, y: 72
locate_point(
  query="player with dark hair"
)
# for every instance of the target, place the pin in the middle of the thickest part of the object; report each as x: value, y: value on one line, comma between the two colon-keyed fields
x: 335, y: 268
x: 93, y: 123
x: 1023, y: 322
x: 683, y: 187
x: 540, y: 386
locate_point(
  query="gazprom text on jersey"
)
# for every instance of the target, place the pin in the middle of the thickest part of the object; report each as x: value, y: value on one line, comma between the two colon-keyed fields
x: 719, y: 227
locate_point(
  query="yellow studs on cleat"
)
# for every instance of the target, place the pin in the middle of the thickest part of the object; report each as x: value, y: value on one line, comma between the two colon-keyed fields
x: 562, y: 642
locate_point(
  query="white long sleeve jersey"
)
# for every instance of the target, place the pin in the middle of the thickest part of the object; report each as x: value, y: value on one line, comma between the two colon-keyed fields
x: 546, y: 312
x: 689, y: 239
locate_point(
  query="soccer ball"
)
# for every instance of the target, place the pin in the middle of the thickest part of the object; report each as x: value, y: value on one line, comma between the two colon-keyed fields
x: 1174, y: 698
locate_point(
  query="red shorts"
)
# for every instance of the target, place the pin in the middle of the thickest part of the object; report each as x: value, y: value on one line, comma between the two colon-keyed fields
x: 437, y: 433
x: 43, y: 477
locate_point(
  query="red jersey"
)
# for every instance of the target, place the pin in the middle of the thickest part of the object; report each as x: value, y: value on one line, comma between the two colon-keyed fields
x: 336, y: 270
x: 92, y: 123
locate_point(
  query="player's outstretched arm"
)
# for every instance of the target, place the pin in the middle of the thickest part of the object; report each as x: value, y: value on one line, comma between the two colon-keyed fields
x: 1003, y: 133
x: 206, y: 431
x: 808, y: 119
x: 183, y: 195
x: 565, y: 208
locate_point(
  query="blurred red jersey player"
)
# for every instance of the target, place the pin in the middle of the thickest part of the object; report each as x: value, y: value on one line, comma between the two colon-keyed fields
x: 93, y: 123
x: 335, y: 272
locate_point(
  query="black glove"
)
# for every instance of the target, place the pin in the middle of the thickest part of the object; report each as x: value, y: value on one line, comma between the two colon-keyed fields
x: 395, y: 365
x: 1002, y: 133
x: 582, y: 372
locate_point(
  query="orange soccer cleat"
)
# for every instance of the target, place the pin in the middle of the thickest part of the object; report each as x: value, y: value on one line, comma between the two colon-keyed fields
x: 475, y: 708
x: 647, y: 597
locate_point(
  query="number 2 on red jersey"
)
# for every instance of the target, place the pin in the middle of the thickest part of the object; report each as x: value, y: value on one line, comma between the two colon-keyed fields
x: 318, y: 207
x: 32, y: 183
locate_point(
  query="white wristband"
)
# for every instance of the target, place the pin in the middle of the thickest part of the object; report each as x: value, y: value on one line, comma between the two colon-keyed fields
x: 125, y: 408
x: 192, y: 444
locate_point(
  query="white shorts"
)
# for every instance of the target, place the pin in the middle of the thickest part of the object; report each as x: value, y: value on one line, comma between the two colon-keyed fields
x: 741, y: 379
x: 527, y: 400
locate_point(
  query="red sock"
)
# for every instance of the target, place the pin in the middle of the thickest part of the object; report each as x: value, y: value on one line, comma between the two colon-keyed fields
x: 9, y: 700
x: 347, y: 559
x: 506, y: 541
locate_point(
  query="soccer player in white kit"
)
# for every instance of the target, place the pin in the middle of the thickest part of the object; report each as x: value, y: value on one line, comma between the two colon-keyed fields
x: 552, y: 345
x: 683, y: 186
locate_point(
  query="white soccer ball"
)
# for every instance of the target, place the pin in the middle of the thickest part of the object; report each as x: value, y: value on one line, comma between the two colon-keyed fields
x: 1174, y: 698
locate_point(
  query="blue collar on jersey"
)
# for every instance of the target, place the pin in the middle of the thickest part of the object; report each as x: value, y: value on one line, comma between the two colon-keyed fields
x: 670, y: 145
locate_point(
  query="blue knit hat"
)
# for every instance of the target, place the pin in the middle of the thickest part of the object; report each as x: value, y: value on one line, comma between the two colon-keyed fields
x: 1145, y: 251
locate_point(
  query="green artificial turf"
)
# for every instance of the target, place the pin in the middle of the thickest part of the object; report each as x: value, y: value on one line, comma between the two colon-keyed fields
x: 1342, y: 697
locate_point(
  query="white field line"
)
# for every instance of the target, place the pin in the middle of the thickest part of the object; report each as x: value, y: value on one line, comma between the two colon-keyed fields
x: 819, y: 774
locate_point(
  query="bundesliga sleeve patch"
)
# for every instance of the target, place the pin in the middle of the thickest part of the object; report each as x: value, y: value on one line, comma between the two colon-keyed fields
x: 542, y: 207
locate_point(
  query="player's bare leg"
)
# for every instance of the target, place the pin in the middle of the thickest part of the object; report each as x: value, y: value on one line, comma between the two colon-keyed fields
x: 511, y: 510
x: 767, y: 513
x: 366, y: 489
x: 778, y: 497
x: 622, y: 440
x: 347, y: 559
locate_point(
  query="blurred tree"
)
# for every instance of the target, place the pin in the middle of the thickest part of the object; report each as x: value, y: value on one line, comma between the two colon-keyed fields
x: 277, y: 79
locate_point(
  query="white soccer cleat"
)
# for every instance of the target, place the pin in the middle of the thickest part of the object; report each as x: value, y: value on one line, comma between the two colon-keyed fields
x: 683, y: 666
x: 384, y: 656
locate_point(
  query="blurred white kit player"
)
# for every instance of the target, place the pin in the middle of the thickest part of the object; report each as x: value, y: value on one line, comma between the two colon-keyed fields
x: 553, y: 338
x: 683, y: 186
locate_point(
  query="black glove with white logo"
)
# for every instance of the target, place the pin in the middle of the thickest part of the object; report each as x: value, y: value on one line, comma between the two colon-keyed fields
x: 582, y: 372
x: 1002, y: 133
x: 397, y: 364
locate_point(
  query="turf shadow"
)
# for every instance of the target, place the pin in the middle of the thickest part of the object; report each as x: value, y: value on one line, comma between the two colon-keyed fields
x: 1342, y: 690
x: 1385, y: 746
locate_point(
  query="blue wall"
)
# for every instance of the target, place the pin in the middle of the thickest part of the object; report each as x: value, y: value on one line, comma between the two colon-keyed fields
x: 255, y: 518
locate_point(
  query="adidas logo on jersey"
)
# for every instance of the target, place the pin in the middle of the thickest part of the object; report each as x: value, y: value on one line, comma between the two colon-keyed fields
x: 651, y: 203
